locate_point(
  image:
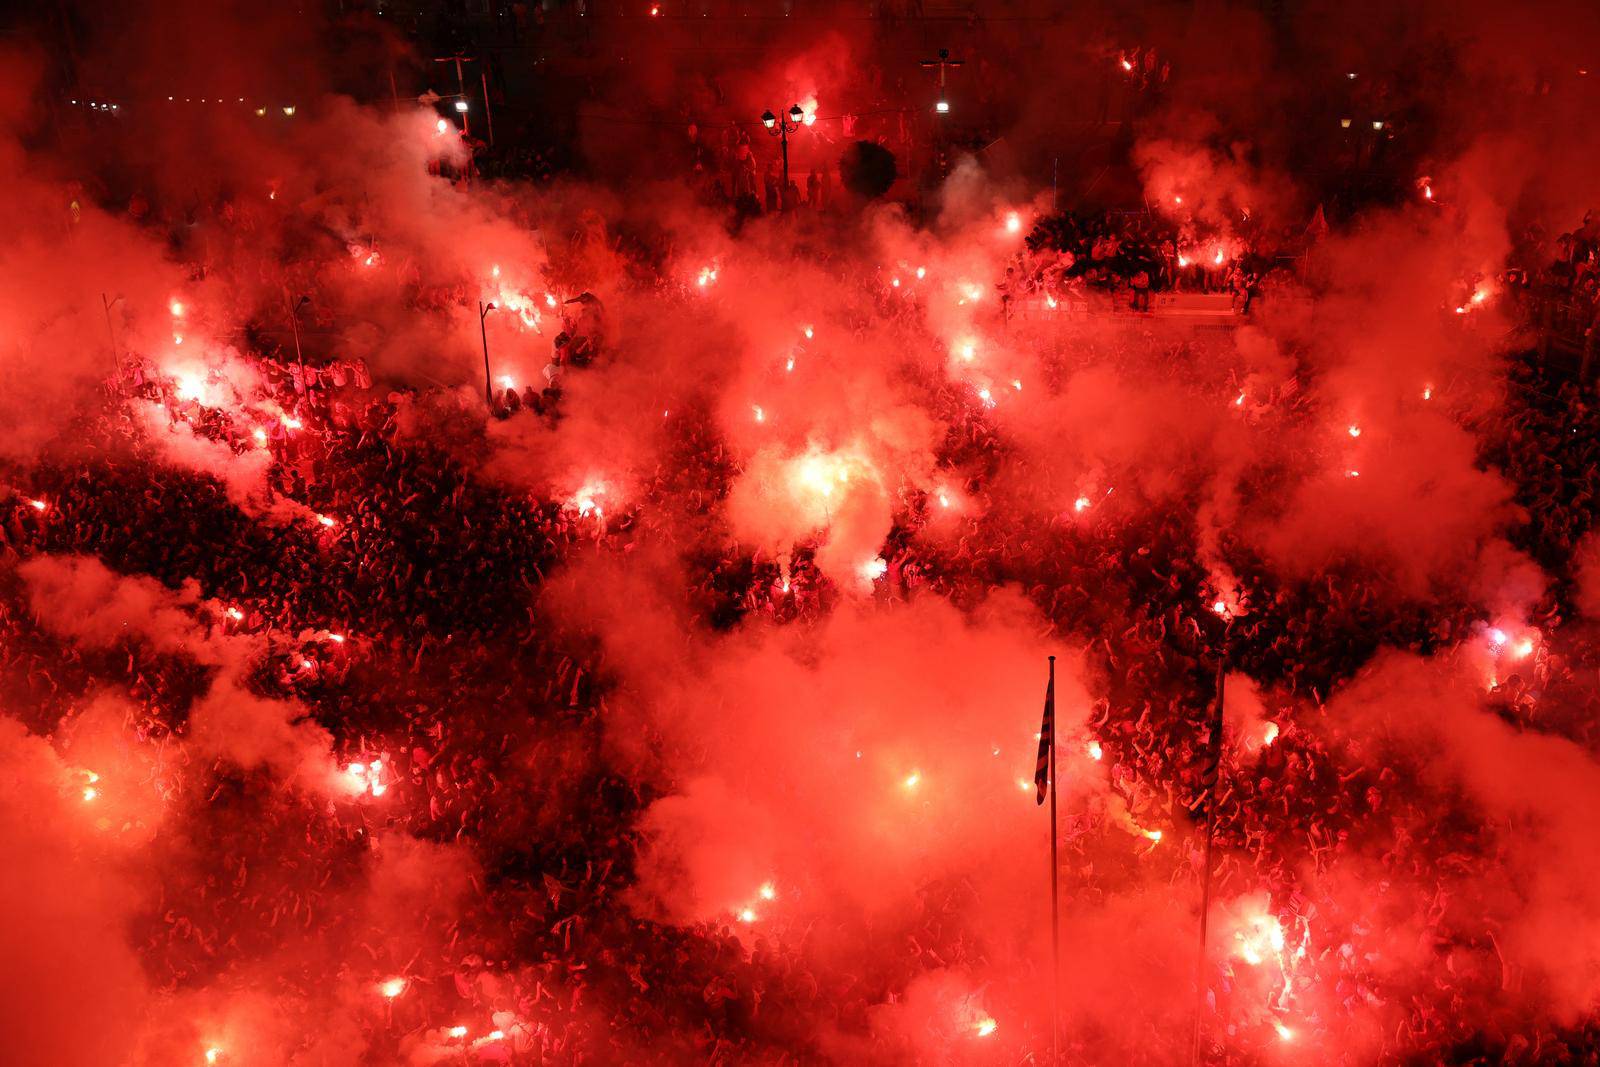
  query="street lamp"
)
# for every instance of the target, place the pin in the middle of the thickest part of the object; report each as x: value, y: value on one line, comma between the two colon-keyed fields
x: 942, y: 106
x: 483, y: 332
x: 781, y: 129
x: 461, y: 106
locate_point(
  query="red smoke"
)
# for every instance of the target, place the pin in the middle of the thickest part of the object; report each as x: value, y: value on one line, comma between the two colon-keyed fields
x: 693, y: 719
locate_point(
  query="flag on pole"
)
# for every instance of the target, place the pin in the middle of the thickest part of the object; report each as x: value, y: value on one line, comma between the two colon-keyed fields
x: 1047, y: 736
x: 1318, y: 227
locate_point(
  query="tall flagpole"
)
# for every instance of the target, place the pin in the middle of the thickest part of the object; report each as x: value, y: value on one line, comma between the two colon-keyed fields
x: 1205, y: 864
x: 1055, y: 893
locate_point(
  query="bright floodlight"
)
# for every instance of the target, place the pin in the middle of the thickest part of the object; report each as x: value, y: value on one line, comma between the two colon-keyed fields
x: 461, y: 105
x: 942, y: 107
x: 768, y: 119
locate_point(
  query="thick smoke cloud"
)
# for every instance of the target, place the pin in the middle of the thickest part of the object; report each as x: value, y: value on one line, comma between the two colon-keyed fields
x: 819, y: 401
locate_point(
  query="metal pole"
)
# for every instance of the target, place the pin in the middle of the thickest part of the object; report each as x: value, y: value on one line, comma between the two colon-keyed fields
x: 1205, y: 864
x: 483, y: 332
x: 294, y: 325
x: 116, y: 357
x: 783, y: 193
x: 488, y: 115
x: 1055, y: 898
x: 461, y: 90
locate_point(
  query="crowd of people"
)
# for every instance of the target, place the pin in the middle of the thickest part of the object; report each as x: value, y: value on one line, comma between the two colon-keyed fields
x: 401, y: 606
x: 1123, y: 259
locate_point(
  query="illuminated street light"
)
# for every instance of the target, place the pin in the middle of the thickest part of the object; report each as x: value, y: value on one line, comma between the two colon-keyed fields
x: 781, y: 129
x: 942, y: 107
x: 461, y: 106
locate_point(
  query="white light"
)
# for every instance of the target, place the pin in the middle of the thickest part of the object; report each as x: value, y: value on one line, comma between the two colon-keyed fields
x: 288, y: 109
x: 393, y: 987
x: 461, y: 106
x: 942, y: 107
